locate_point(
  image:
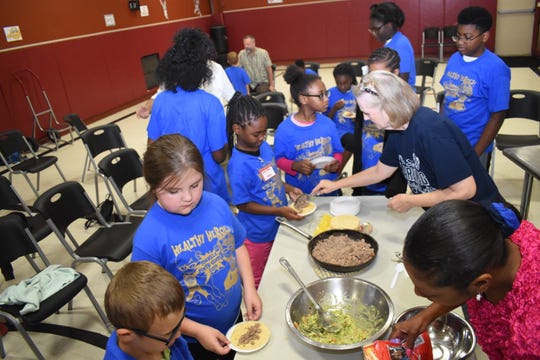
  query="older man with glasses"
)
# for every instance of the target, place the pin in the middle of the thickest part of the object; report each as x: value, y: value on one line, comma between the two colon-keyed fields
x: 476, y: 83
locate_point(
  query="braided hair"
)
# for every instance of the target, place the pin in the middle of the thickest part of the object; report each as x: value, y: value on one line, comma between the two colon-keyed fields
x: 241, y: 110
x: 387, y: 56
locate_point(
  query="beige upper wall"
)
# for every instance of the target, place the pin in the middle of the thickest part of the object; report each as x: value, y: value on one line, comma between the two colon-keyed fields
x: 515, y: 21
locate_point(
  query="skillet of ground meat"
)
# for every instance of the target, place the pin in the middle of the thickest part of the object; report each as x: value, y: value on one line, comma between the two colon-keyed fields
x: 341, y: 250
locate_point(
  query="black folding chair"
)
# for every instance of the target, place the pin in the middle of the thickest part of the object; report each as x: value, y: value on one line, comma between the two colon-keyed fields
x: 17, y: 241
x: 431, y: 37
x: 18, y: 157
x: 62, y: 204
x: 98, y: 140
x: 524, y: 104
x: 426, y: 69
x: 357, y: 65
x: 119, y: 168
x: 275, y: 113
x: 11, y: 200
x: 271, y: 97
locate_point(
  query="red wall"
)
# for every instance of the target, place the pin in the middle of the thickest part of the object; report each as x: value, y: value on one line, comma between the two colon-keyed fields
x: 332, y: 29
x: 90, y: 70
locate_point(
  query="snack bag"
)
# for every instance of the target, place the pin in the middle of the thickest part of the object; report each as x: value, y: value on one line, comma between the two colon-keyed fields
x: 395, y: 350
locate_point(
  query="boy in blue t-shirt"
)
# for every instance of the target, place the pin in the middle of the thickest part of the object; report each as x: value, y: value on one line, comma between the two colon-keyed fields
x: 476, y: 83
x: 145, y: 303
x: 238, y: 76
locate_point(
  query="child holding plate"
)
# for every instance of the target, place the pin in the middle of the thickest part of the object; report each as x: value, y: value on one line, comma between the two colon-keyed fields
x: 257, y: 189
x: 306, y: 144
x: 342, y: 104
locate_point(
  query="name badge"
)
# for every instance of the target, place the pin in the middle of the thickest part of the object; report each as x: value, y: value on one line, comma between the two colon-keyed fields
x: 267, y: 172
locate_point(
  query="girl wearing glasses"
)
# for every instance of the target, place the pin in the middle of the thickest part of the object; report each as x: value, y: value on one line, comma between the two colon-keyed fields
x: 194, y: 235
x: 436, y: 158
x: 385, y: 22
x: 306, y: 144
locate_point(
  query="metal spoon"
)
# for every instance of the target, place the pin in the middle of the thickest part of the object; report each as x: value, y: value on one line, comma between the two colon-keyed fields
x: 327, y: 319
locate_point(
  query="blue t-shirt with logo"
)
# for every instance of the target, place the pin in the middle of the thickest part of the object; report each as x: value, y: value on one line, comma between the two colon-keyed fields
x: 256, y: 179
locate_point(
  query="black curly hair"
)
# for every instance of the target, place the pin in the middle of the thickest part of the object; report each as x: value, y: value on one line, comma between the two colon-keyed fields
x: 477, y: 16
x: 186, y: 63
x: 298, y: 80
x: 347, y: 70
x: 387, y: 13
x: 241, y: 110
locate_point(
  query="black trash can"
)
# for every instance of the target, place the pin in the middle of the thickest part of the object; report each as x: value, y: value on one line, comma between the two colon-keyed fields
x: 219, y: 36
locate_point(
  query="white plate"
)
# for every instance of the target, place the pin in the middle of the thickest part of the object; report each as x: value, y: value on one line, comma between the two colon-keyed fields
x: 309, y: 209
x: 345, y: 205
x: 321, y: 162
x: 263, y: 341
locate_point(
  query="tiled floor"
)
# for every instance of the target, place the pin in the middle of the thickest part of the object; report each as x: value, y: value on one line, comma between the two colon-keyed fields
x: 71, y: 158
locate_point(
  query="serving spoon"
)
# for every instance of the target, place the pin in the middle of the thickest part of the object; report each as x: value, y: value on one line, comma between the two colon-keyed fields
x: 328, y: 320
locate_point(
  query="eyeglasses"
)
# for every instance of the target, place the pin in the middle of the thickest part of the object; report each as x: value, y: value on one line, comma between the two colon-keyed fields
x: 321, y: 96
x: 159, y: 338
x: 456, y: 38
x: 370, y: 91
x: 375, y: 30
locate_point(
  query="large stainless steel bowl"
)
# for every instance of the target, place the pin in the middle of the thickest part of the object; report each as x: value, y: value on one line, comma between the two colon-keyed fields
x: 452, y: 338
x: 343, y: 293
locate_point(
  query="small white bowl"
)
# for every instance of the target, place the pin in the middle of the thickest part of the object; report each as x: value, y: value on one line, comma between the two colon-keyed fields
x: 345, y: 205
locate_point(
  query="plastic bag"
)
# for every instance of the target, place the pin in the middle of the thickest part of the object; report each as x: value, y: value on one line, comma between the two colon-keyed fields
x: 395, y: 350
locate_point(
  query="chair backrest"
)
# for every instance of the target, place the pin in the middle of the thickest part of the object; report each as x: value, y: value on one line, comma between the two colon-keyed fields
x: 102, y: 138
x: 426, y: 68
x: 448, y: 32
x: 16, y: 241
x: 76, y: 123
x: 431, y: 33
x: 122, y: 166
x: 357, y: 65
x: 275, y: 113
x: 8, y: 198
x: 524, y: 104
x: 13, y: 142
x: 64, y: 203
x: 271, y: 97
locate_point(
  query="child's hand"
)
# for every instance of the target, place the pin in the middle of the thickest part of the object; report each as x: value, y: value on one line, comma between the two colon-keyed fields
x: 339, y: 104
x: 253, y: 304
x: 293, y: 191
x: 213, y: 340
x: 290, y: 213
x: 332, y: 167
x: 303, y: 166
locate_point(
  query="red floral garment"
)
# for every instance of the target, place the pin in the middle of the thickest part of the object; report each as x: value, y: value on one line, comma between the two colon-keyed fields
x: 510, y: 329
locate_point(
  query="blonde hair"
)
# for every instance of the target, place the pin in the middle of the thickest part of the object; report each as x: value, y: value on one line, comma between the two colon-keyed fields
x: 232, y: 58
x: 391, y: 93
x: 139, y: 293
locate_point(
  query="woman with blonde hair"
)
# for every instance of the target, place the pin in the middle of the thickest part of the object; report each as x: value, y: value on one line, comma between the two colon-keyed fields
x: 436, y: 158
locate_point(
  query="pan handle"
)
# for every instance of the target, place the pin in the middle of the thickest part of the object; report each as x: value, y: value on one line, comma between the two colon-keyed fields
x: 284, y: 221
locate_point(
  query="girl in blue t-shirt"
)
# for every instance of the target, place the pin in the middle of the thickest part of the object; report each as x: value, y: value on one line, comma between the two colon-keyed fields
x: 257, y: 189
x: 194, y: 235
x: 306, y: 144
x: 342, y: 104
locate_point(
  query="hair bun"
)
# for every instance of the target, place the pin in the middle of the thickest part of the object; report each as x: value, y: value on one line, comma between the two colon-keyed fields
x: 506, y: 218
